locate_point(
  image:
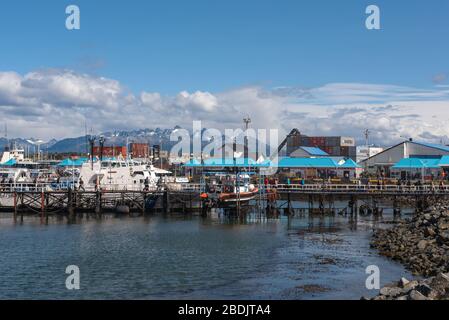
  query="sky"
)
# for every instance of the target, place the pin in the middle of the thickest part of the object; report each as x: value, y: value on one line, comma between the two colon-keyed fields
x: 311, y: 65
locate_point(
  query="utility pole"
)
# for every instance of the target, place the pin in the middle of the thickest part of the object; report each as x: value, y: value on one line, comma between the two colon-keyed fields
x: 247, y: 121
x: 367, y: 132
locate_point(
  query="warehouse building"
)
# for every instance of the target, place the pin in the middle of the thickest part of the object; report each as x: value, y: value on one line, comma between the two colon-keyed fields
x: 305, y: 152
x: 333, y: 146
x: 365, y: 152
x: 383, y: 162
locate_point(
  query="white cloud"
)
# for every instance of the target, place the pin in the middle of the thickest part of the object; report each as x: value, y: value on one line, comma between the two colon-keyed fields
x: 198, y: 101
x: 57, y: 103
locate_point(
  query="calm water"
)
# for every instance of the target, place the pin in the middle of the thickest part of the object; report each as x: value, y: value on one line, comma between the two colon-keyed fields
x: 190, y: 258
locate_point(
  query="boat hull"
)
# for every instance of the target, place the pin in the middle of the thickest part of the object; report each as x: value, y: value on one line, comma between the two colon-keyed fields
x: 234, y: 199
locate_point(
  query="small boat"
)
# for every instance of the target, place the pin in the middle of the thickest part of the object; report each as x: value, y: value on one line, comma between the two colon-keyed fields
x: 236, y: 192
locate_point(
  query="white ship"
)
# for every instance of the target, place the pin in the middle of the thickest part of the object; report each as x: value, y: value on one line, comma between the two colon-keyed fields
x: 117, y: 175
x: 12, y: 156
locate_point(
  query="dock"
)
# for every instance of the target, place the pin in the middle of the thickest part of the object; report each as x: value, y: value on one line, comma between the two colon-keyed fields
x: 44, y: 202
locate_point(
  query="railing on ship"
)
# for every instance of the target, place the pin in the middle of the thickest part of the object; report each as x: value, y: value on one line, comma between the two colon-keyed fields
x: 41, y: 187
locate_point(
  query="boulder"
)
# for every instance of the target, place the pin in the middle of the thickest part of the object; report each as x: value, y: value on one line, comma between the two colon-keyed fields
x: 403, y: 282
x: 422, y: 245
x: 424, y: 289
x: 390, y: 291
x: 444, y: 236
x: 429, y: 232
x: 440, y: 284
x: 411, y: 285
x: 443, y: 225
x: 415, y: 295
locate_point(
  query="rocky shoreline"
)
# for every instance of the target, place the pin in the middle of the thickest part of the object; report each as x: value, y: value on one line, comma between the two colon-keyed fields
x: 422, y: 245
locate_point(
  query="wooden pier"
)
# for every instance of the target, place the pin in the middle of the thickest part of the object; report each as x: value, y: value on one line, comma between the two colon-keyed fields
x: 40, y: 200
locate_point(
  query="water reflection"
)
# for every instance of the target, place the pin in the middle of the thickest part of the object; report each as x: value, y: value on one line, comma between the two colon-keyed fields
x: 189, y: 257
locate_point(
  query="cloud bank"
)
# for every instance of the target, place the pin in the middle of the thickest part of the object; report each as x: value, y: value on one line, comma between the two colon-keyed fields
x: 57, y: 103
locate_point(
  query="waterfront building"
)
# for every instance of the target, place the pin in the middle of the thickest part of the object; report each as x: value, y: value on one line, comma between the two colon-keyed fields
x: 417, y: 169
x: 365, y: 152
x: 301, y: 168
x: 335, y: 146
x: 382, y: 163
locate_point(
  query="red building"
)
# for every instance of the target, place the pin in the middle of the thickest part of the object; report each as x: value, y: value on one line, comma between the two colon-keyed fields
x: 110, y: 151
x: 139, y: 150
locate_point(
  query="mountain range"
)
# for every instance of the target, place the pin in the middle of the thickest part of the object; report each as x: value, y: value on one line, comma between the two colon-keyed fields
x: 80, y: 144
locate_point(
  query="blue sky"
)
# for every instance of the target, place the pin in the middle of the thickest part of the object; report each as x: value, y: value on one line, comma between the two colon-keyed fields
x: 168, y: 46
x: 306, y: 64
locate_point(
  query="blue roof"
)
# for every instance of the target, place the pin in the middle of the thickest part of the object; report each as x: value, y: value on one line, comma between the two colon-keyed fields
x: 417, y: 163
x: 287, y: 162
x: 313, y: 151
x: 433, y: 145
x: 69, y: 162
x: 444, y: 161
x: 223, y: 162
x: 306, y: 163
x: 349, y: 163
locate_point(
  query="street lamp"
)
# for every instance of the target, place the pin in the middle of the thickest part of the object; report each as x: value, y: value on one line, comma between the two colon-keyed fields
x: 37, y: 143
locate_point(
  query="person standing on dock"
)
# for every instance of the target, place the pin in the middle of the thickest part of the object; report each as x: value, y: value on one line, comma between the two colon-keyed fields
x: 147, y: 185
x: 81, y: 183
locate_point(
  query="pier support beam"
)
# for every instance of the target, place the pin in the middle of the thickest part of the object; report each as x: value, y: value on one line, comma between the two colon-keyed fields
x: 166, y: 202
x: 42, y: 206
x: 70, y: 207
x: 98, y: 203
x: 310, y: 204
x: 144, y: 203
x: 15, y: 206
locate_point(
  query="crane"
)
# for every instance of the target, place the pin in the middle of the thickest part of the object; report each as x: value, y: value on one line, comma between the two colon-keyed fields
x: 293, y: 133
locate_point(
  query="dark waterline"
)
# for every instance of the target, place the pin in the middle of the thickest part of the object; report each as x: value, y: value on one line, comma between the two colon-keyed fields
x: 179, y: 257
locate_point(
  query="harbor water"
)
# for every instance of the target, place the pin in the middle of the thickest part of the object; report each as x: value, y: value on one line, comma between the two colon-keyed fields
x: 189, y: 257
